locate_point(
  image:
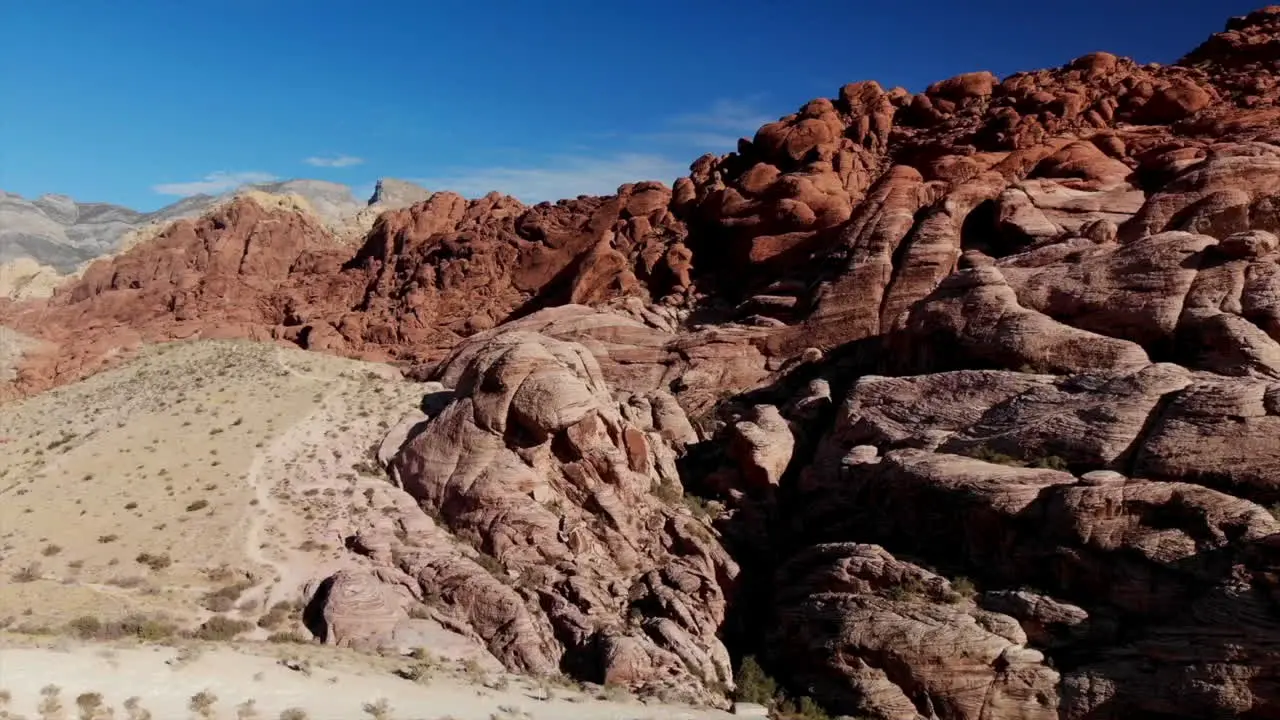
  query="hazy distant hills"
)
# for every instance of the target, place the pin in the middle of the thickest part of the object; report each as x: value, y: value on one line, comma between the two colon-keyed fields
x: 60, y: 232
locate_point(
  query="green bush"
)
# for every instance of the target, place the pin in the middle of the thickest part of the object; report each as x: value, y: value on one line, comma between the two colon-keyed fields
x: 806, y: 708
x: 963, y: 587
x: 1048, y: 462
x: 908, y: 589
x: 754, y: 684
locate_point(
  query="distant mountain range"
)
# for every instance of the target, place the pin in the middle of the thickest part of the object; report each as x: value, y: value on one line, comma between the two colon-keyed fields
x: 63, y: 233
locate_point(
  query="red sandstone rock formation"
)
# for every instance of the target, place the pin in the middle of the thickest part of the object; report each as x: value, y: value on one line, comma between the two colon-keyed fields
x: 1024, y: 330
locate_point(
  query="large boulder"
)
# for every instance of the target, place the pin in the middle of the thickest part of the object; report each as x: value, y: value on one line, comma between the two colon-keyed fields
x: 576, y: 508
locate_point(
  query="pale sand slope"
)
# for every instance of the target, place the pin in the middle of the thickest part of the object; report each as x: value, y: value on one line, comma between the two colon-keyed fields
x: 337, y: 687
x: 236, y: 463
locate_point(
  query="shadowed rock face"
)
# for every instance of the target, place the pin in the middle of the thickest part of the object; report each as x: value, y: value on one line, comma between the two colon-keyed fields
x: 1019, y: 331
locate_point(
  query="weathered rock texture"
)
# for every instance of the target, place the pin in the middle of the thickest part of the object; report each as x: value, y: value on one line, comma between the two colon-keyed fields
x: 585, y: 558
x: 1022, y: 330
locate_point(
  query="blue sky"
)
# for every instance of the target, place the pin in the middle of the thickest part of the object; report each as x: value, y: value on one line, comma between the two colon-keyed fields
x: 141, y: 101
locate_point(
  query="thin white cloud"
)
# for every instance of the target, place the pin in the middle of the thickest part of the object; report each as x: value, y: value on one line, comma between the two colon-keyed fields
x: 214, y: 183
x: 716, y: 128
x: 561, y: 177
x: 696, y: 138
x: 739, y: 116
x: 338, y: 161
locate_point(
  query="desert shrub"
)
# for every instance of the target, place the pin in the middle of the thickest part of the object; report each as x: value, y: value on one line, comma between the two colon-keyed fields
x: 224, y: 598
x: 986, y: 454
x: 1050, y: 462
x: 149, y: 629
x: 197, y: 505
x: 963, y: 587
x: 754, y: 684
x: 50, y: 550
x: 669, y: 492
x: 247, y: 710
x: 220, y: 574
x: 221, y: 628
x: 29, y: 573
x: 368, y: 469
x: 380, y: 710
x: 137, y: 625
x: 288, y: 637
x: 133, y: 707
x: 293, y: 714
x: 50, y: 707
x: 279, y: 613
x: 805, y: 708
x: 493, y: 565
x: 202, y: 704
x: 85, y: 627
x: 104, y: 539
x: 908, y: 589
x: 155, y: 562
x: 89, y: 704
x: 697, y: 505
x: 419, y: 672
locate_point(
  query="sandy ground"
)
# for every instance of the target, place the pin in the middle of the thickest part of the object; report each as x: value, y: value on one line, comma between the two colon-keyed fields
x: 196, y: 467
x: 325, y: 684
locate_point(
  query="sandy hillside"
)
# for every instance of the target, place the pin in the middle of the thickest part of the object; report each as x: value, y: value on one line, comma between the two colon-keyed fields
x: 292, y: 682
x: 200, y: 478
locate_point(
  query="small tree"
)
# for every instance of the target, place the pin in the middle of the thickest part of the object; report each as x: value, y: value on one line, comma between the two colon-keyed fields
x: 754, y: 684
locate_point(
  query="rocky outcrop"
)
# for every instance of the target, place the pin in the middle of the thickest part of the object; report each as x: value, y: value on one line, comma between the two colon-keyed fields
x: 885, y: 638
x: 24, y: 278
x: 570, y: 501
x: 1149, y: 561
x: 1022, y: 331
